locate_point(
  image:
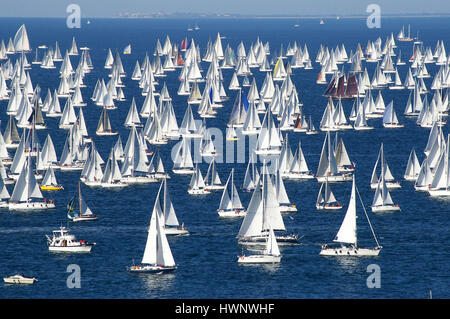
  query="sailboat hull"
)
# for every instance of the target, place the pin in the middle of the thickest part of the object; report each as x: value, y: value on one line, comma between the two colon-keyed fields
x: 288, y: 209
x: 51, y: 187
x: 113, y: 185
x: 350, y: 251
x: 261, y: 240
x: 329, y: 206
x: 31, y: 206
x: 151, y: 269
x: 83, y: 218
x: 299, y: 176
x: 183, y: 171
x: 439, y: 192
x: 232, y: 213
x: 259, y: 259
x: 385, y: 208
x: 389, y: 185
x: 412, y: 178
x: 200, y: 191
x: 176, y: 231
x: 335, y: 178
x: 393, y: 125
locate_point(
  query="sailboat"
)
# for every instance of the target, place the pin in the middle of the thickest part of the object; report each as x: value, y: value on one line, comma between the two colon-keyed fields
x: 4, y: 194
x: 183, y: 160
x: 387, y: 175
x: 83, y: 213
x: 112, y: 178
x: 412, y: 168
x: 251, y: 177
x: 271, y: 253
x: 156, y: 167
x: 230, y: 203
x: 197, y: 185
x: 382, y: 200
x: 440, y: 184
x: 325, y: 199
x: 347, y: 234
x: 328, y: 169
x: 171, y: 223
x: 390, y: 118
x: 104, y: 125
x: 311, y: 130
x: 269, y: 137
x: 284, y: 202
x: 27, y: 194
x: 263, y: 212
x: 298, y: 169
x: 157, y: 257
x: 402, y: 36
x: 49, y: 182
x: 127, y: 49
x: 212, y: 178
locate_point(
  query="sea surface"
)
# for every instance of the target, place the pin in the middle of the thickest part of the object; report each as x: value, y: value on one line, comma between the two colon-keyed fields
x: 416, y: 252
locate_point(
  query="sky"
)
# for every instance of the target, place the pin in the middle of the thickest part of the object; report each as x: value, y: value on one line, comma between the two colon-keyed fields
x: 110, y: 8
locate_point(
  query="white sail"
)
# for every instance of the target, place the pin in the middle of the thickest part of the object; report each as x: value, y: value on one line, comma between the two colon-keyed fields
x: 347, y: 231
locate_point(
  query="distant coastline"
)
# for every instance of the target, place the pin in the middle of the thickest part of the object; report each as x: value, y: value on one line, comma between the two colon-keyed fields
x: 162, y: 15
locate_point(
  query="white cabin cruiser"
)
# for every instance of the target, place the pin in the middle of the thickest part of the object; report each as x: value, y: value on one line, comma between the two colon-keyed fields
x: 63, y: 241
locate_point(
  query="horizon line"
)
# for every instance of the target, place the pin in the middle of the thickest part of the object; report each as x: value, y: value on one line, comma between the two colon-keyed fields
x: 181, y: 15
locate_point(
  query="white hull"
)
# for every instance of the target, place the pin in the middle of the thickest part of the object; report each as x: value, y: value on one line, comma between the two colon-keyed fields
x: 439, y: 192
x: 232, y: 213
x: 176, y: 231
x: 91, y: 183
x: 215, y: 187
x: 389, y: 185
x: 421, y: 188
x: 18, y: 279
x: 250, y: 132
x: 31, y: 206
x: 288, y: 209
x: 258, y: 259
x: 335, y: 178
x: 268, y: 152
x: 363, y: 128
x: 350, y: 251
x: 299, y: 176
x: 74, y: 167
x: 71, y: 249
x: 393, y: 125
x: 329, y: 207
x: 184, y: 171
x: 138, y: 180
x: 410, y: 178
x: 83, y: 218
x: 113, y: 185
x: 385, y: 208
x: 200, y: 191
x: 106, y: 133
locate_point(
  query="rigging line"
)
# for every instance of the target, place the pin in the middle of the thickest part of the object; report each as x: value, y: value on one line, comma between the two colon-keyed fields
x: 368, y: 220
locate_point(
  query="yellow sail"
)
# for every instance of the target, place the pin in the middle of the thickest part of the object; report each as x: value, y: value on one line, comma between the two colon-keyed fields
x: 276, y: 67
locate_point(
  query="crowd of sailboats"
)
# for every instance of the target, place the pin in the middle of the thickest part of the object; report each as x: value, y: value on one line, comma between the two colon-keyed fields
x: 270, y: 114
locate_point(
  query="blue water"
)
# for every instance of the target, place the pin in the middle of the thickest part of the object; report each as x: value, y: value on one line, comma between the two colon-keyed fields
x: 415, y: 254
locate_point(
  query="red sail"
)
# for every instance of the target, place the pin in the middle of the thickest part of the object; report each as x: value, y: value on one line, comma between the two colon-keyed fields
x: 183, y: 45
x: 352, y: 86
x: 341, y: 86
